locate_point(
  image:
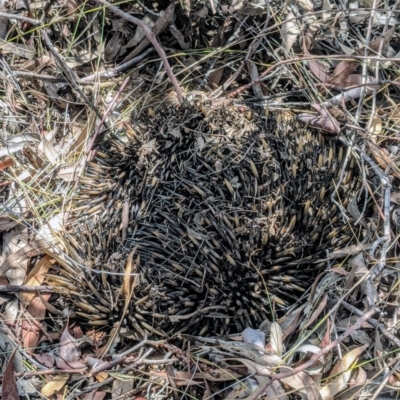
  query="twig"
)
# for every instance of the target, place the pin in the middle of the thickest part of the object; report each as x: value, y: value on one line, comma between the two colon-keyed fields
x: 214, y: 61
x: 24, y: 288
x: 260, y: 390
x: 115, y: 71
x: 117, y: 360
x: 109, y: 108
x: 371, y: 321
x: 70, y: 75
x: 150, y: 35
x: 295, y: 60
x: 32, y: 21
x: 87, y: 80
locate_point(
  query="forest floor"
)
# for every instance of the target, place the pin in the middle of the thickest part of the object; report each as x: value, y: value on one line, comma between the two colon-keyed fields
x: 73, y: 71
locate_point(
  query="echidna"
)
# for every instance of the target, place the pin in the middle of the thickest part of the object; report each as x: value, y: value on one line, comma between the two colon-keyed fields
x: 225, y: 216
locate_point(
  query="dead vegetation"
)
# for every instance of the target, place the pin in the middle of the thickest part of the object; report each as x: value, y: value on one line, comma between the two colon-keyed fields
x: 74, y: 73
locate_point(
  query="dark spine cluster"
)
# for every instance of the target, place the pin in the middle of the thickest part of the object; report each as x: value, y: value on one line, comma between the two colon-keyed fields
x: 229, y: 219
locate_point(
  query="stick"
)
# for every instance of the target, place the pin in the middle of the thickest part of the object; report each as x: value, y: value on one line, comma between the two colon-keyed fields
x: 260, y: 390
x: 150, y: 35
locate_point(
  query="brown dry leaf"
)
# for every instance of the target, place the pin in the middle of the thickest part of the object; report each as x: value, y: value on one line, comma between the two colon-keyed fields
x: 326, y: 340
x: 69, y: 173
x: 349, y: 250
x: 304, y: 384
x: 360, y: 379
x: 317, y: 312
x: 113, y: 47
x: 127, y: 282
x: 255, y: 368
x: 20, y: 50
x: 32, y: 327
x: 51, y: 90
x: 139, y: 34
x: 55, y: 385
x: 10, y: 391
x: 350, y: 81
x: 125, y: 220
x: 215, y: 76
x: 47, y: 359
x: 48, y: 150
x: 95, y: 395
x: 72, y: 7
x: 7, y: 223
x: 289, y: 322
x: 161, y: 24
x: 317, y: 68
x: 101, y: 376
x: 122, y: 387
x: 341, y: 373
x: 9, y: 162
x: 14, y: 266
x: 70, y: 356
x: 383, y: 159
x: 376, y: 44
x: 81, y: 138
x: 342, y: 71
x: 37, y: 276
x: 177, y: 34
x: 253, y: 71
x: 325, y: 120
x: 375, y: 128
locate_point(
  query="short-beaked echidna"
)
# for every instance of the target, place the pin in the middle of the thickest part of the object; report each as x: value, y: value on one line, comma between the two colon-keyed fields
x: 226, y: 215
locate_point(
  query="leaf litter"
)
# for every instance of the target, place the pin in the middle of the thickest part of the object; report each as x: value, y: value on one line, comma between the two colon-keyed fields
x: 334, y: 68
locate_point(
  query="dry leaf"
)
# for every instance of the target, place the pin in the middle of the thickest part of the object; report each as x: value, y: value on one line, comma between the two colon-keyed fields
x: 51, y: 90
x: 320, y: 71
x: 69, y: 173
x: 14, y: 266
x: 20, y: 50
x: 127, y: 286
x: 81, y: 138
x: 7, y: 223
x: 54, y: 385
x: 325, y: 120
x: 276, y: 337
x: 70, y: 356
x: 9, y: 162
x: 317, y: 312
x: 290, y: 31
x: 161, y: 24
x: 304, y: 385
x: 36, y: 276
x: 48, y: 150
x: 375, y: 128
x: 10, y: 391
x: 383, y: 159
x: 139, y: 34
x: 125, y: 219
x: 341, y: 373
x: 36, y: 312
x: 350, y: 250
